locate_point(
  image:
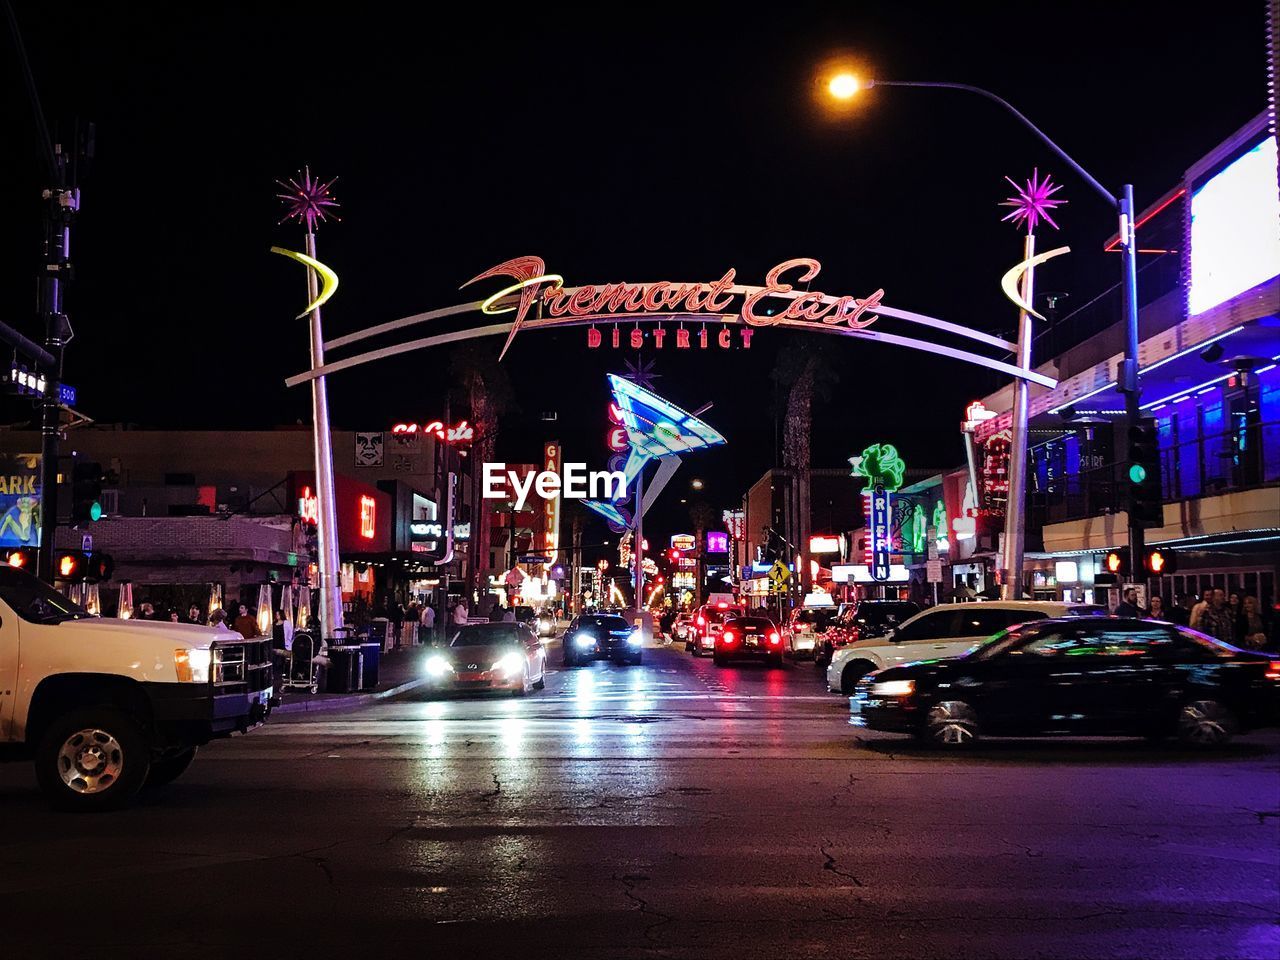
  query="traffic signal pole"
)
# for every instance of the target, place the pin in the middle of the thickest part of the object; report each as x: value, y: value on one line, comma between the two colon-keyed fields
x: 1129, y: 383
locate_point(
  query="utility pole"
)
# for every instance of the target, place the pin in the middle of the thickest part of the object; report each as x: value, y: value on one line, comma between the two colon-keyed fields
x: 61, y: 197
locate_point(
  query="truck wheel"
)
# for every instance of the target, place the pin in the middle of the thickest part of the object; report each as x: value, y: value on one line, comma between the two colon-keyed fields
x: 170, y: 769
x: 93, y: 759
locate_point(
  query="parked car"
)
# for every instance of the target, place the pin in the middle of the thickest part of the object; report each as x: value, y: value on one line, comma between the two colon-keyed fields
x: 489, y: 656
x: 103, y: 707
x: 601, y: 636
x: 680, y: 629
x: 1083, y: 676
x: 861, y: 620
x: 708, y: 621
x: 805, y: 628
x: 946, y: 630
x: 748, y: 638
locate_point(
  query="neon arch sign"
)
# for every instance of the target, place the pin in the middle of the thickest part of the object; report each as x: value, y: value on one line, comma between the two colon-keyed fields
x: 738, y: 308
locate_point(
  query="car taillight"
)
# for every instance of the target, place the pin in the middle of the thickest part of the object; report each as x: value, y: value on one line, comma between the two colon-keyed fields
x: 1273, y: 671
x: 774, y: 638
x: 702, y: 621
x: 727, y: 636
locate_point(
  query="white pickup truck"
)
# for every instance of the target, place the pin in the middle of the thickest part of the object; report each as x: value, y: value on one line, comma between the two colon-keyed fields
x: 104, y: 707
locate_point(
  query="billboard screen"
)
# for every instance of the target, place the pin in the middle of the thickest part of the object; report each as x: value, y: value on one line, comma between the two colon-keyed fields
x: 19, y: 500
x: 1235, y: 229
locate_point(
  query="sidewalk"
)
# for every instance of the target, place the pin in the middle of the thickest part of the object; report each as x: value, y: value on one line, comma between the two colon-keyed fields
x: 399, y: 671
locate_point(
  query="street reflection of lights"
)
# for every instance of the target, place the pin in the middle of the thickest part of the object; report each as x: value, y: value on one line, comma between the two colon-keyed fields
x: 433, y: 709
x: 586, y: 693
x: 584, y: 732
x: 434, y: 731
x: 511, y: 732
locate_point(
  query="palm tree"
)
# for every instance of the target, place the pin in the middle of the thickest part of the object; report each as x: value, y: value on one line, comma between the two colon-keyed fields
x: 481, y: 384
x: 805, y: 372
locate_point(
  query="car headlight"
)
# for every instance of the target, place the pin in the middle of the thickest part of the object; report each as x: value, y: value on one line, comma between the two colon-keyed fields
x: 509, y: 663
x: 893, y: 688
x: 635, y: 639
x: 438, y: 666
x: 192, y: 665
x: 584, y: 640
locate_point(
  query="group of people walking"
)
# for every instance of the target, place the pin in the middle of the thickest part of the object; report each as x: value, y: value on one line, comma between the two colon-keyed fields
x: 1240, y: 621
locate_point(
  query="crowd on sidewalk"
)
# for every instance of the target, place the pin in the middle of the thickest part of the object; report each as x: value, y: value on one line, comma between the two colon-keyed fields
x: 1240, y: 621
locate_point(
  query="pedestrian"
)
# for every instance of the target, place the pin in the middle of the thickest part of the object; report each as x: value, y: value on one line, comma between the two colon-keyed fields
x: 1197, y: 612
x: 508, y: 615
x: 147, y: 610
x: 218, y: 619
x: 1233, y: 605
x: 1157, y: 608
x: 1128, y: 607
x: 1253, y: 626
x: 1181, y: 612
x: 460, y: 613
x: 244, y: 623
x: 429, y: 622
x: 174, y: 617
x: 1216, y: 620
x: 193, y: 614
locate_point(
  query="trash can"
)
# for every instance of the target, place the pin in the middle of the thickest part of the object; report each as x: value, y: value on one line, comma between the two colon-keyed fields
x: 369, y: 662
x: 344, y: 665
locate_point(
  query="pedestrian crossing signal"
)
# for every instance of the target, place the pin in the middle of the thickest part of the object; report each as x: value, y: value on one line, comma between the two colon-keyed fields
x: 1159, y: 562
x: 1116, y: 562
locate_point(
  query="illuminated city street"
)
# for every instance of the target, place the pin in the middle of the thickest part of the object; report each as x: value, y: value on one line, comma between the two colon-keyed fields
x: 727, y: 484
x: 668, y: 810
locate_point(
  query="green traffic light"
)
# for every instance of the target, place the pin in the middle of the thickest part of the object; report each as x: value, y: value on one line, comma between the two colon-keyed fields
x: 95, y: 511
x: 1138, y: 473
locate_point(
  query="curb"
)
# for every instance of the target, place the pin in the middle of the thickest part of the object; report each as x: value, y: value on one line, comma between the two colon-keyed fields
x: 311, y: 705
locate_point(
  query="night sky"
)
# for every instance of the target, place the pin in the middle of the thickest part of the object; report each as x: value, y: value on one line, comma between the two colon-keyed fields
x: 640, y: 147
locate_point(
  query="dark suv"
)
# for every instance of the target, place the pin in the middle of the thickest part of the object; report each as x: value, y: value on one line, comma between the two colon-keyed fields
x: 863, y: 620
x: 601, y: 636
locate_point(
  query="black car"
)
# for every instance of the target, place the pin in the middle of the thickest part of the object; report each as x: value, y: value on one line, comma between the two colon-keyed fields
x: 863, y: 620
x: 748, y: 638
x: 601, y: 636
x: 1082, y: 676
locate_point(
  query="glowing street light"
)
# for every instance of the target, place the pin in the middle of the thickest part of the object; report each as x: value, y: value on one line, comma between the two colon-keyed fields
x: 697, y: 484
x: 844, y: 86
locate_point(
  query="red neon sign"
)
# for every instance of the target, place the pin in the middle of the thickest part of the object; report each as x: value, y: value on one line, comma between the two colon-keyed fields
x: 461, y: 432
x: 368, y: 514
x: 309, y: 506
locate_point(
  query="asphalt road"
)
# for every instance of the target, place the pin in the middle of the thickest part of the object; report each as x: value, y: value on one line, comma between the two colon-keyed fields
x: 669, y: 810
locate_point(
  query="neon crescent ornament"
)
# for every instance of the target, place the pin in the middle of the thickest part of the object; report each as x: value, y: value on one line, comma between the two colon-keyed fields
x: 1031, y: 203
x: 329, y: 279
x: 1009, y: 282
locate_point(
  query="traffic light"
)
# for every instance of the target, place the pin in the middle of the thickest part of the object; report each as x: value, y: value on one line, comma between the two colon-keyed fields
x: 1146, y: 503
x: 70, y: 565
x: 1159, y: 561
x: 1116, y: 562
x: 86, y: 492
x: 24, y: 558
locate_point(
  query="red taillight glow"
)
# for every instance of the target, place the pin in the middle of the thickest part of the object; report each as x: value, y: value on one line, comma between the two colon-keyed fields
x: 1273, y: 671
x: 774, y: 638
x: 702, y: 621
x: 722, y: 605
x: 728, y: 636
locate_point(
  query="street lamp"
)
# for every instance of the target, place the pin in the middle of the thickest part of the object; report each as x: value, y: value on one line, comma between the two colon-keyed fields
x: 697, y: 484
x: 844, y: 86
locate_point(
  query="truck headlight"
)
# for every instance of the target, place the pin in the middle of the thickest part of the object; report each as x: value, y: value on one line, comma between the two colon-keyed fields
x: 438, y: 666
x: 192, y: 664
x: 893, y: 688
x: 510, y: 663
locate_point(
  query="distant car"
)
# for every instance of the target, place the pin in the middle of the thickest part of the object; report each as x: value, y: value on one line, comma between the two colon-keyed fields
x: 861, y: 620
x: 708, y: 621
x: 947, y: 630
x: 680, y: 630
x: 545, y: 624
x: 1081, y: 676
x: 489, y: 656
x: 601, y: 636
x: 748, y: 638
x: 805, y: 628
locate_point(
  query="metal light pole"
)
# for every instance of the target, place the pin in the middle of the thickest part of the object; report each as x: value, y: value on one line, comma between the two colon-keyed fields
x: 1129, y: 382
x: 637, y: 548
x: 309, y: 201
x: 1015, y: 509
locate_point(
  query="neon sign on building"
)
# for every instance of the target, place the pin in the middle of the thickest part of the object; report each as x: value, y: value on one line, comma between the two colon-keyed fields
x: 461, y: 432
x: 883, y: 470
x: 368, y: 525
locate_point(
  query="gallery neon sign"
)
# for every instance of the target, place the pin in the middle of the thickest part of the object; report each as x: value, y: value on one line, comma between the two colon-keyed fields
x: 462, y: 432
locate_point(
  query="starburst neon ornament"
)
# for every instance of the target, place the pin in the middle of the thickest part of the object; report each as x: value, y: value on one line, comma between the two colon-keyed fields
x: 1032, y: 203
x: 307, y: 200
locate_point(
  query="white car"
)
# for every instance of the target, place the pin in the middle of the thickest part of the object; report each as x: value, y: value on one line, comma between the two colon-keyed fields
x: 946, y: 630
